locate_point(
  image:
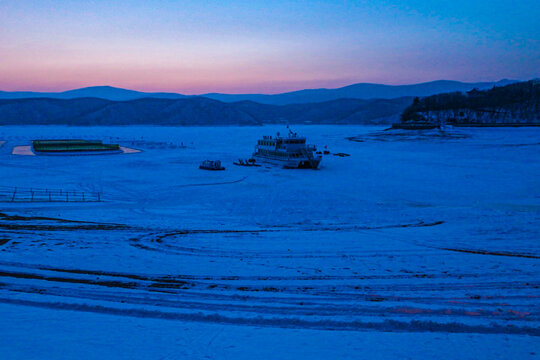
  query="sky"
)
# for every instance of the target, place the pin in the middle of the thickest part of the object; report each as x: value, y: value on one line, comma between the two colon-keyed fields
x: 263, y: 46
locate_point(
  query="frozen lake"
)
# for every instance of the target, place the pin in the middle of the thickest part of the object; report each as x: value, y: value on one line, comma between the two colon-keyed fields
x: 415, y: 246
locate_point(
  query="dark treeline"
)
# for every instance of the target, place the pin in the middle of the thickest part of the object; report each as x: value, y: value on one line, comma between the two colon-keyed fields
x: 523, y: 94
x: 198, y: 111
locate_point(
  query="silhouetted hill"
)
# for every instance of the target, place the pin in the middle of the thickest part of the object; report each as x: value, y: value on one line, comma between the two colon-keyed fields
x: 356, y: 91
x: 101, y: 92
x: 341, y: 111
x: 359, y: 91
x: 92, y: 111
x: 195, y: 111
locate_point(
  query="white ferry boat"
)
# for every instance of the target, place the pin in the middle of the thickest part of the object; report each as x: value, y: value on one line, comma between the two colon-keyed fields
x: 288, y: 151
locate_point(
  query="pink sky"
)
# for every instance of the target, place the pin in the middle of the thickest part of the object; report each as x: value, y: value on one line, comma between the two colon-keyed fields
x: 260, y: 47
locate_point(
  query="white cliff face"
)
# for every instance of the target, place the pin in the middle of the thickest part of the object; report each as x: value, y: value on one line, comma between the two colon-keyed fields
x: 505, y: 115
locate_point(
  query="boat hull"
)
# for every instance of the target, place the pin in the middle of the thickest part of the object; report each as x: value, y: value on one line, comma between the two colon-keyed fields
x: 211, y: 168
x: 290, y: 163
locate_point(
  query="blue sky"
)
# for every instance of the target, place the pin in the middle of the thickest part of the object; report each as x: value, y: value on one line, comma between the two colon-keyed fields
x: 263, y: 46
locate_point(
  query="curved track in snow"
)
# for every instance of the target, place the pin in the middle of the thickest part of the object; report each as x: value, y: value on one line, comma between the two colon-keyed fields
x: 279, y: 286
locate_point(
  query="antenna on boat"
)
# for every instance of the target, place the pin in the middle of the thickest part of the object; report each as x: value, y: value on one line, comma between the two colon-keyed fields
x: 290, y: 131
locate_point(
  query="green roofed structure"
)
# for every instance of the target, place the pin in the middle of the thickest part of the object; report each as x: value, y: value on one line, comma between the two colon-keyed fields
x: 74, y: 146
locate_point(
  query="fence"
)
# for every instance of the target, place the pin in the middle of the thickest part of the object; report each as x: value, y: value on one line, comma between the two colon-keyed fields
x: 18, y: 194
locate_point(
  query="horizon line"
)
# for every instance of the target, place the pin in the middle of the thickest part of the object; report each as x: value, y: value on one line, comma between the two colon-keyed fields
x: 255, y: 93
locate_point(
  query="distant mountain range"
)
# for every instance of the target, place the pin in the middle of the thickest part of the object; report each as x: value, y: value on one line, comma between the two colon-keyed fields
x: 105, y: 105
x: 360, y: 91
x: 356, y: 91
x: 196, y: 111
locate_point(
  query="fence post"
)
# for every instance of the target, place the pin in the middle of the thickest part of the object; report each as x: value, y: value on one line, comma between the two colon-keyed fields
x: 32, y: 191
x: 49, y: 196
x: 13, y: 197
x: 67, y: 196
x: 99, y: 197
x: 83, y: 196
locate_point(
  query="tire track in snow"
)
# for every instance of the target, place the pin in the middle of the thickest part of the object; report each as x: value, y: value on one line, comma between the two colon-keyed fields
x: 386, y: 325
x: 149, y: 241
x: 215, y: 183
x: 292, y: 300
x: 494, y: 253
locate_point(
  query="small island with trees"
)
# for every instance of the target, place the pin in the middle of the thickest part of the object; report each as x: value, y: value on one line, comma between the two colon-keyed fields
x: 516, y: 104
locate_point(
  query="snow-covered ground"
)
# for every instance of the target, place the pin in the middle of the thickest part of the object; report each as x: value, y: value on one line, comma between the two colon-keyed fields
x: 416, y: 246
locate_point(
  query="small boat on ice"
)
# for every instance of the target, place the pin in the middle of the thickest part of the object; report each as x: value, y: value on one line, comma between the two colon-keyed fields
x: 249, y: 162
x: 211, y: 165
